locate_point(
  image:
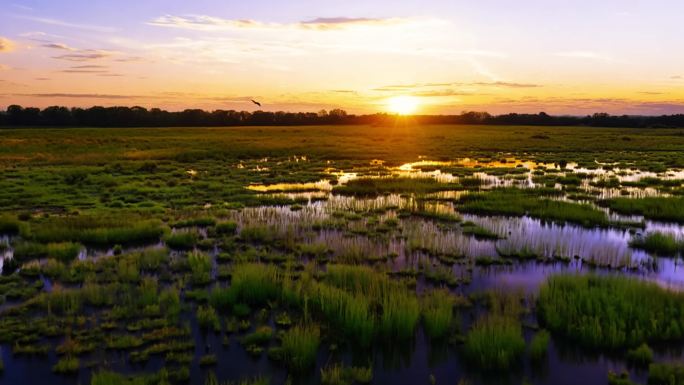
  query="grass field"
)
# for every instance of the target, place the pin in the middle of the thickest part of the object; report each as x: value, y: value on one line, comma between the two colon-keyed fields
x: 140, y: 246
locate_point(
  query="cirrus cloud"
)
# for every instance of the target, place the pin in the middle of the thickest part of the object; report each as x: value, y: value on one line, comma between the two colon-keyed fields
x: 211, y: 23
x: 6, y: 45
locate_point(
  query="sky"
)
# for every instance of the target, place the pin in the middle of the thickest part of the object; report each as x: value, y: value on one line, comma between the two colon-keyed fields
x: 562, y: 57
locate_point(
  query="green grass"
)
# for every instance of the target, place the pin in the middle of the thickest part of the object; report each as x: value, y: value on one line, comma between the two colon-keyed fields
x: 254, y: 283
x: 260, y: 336
x: 539, y: 345
x: 392, y: 185
x: 399, y: 308
x: 658, y: 243
x: 226, y: 228
x: 666, y: 374
x: 9, y: 225
x: 471, y: 229
x: 200, y: 266
x: 610, y: 311
x: 517, y: 202
x: 66, y: 365
x: 195, y: 222
x: 208, y: 319
x: 181, y: 240
x: 669, y: 209
x: 438, y: 313
x: 495, y: 343
x: 96, y: 231
x: 300, y: 346
x: 642, y: 355
x: 112, y: 378
x: 338, y: 374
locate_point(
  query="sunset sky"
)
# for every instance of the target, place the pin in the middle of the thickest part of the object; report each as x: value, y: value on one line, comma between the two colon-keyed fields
x: 562, y: 57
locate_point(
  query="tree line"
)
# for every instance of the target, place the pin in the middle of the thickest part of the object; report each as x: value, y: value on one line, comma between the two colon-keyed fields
x: 56, y: 116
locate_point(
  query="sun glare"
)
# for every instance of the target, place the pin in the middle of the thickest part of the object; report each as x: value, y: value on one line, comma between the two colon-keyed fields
x: 402, y: 105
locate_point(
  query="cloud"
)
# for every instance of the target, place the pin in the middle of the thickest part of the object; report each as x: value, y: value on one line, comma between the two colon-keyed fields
x: 130, y: 59
x: 85, y: 55
x: 89, y: 66
x: 507, y: 84
x: 58, y: 46
x: 6, y: 45
x: 210, y: 23
x: 580, y: 106
x: 83, y: 96
x: 441, y: 93
x: 325, y: 23
x: 4, y: 67
x: 589, y: 55
x: 62, y: 23
x: 676, y: 77
x: 411, y: 87
x: 77, y: 71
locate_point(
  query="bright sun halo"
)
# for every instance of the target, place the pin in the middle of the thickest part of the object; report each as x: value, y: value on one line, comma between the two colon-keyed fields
x: 402, y: 105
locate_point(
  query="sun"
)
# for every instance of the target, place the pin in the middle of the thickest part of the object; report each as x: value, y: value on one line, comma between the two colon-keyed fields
x: 402, y: 105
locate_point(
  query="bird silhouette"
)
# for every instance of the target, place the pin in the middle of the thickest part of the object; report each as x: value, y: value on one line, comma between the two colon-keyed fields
x: 255, y: 102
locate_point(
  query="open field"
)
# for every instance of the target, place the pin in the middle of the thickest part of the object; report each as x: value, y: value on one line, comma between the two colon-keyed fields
x: 341, y: 254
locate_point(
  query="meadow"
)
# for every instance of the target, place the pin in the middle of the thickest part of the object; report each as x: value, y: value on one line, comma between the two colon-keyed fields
x: 341, y: 255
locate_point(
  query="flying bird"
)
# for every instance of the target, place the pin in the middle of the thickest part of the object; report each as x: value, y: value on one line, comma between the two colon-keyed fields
x: 255, y: 102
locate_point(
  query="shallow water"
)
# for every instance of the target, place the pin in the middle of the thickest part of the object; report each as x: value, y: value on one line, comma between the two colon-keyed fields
x: 416, y: 244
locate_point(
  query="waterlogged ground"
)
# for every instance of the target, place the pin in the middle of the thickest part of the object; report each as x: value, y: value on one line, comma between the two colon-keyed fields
x: 488, y: 226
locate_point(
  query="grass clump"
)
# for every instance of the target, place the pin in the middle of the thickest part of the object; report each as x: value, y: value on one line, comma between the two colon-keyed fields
x: 200, y: 266
x: 392, y: 185
x: 208, y: 319
x: 658, y: 243
x: 300, y: 346
x: 255, y: 283
x: 517, y: 202
x: 112, y: 378
x: 642, y: 355
x: 399, y: 309
x: 610, y: 311
x: 657, y: 208
x: 226, y: 228
x: 66, y: 365
x: 65, y: 251
x: 181, y: 240
x: 97, y: 231
x: 195, y: 222
x: 495, y: 343
x: 338, y: 374
x: 539, y: 345
x: 438, y: 313
x: 9, y: 225
x: 666, y: 374
x: 260, y: 336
